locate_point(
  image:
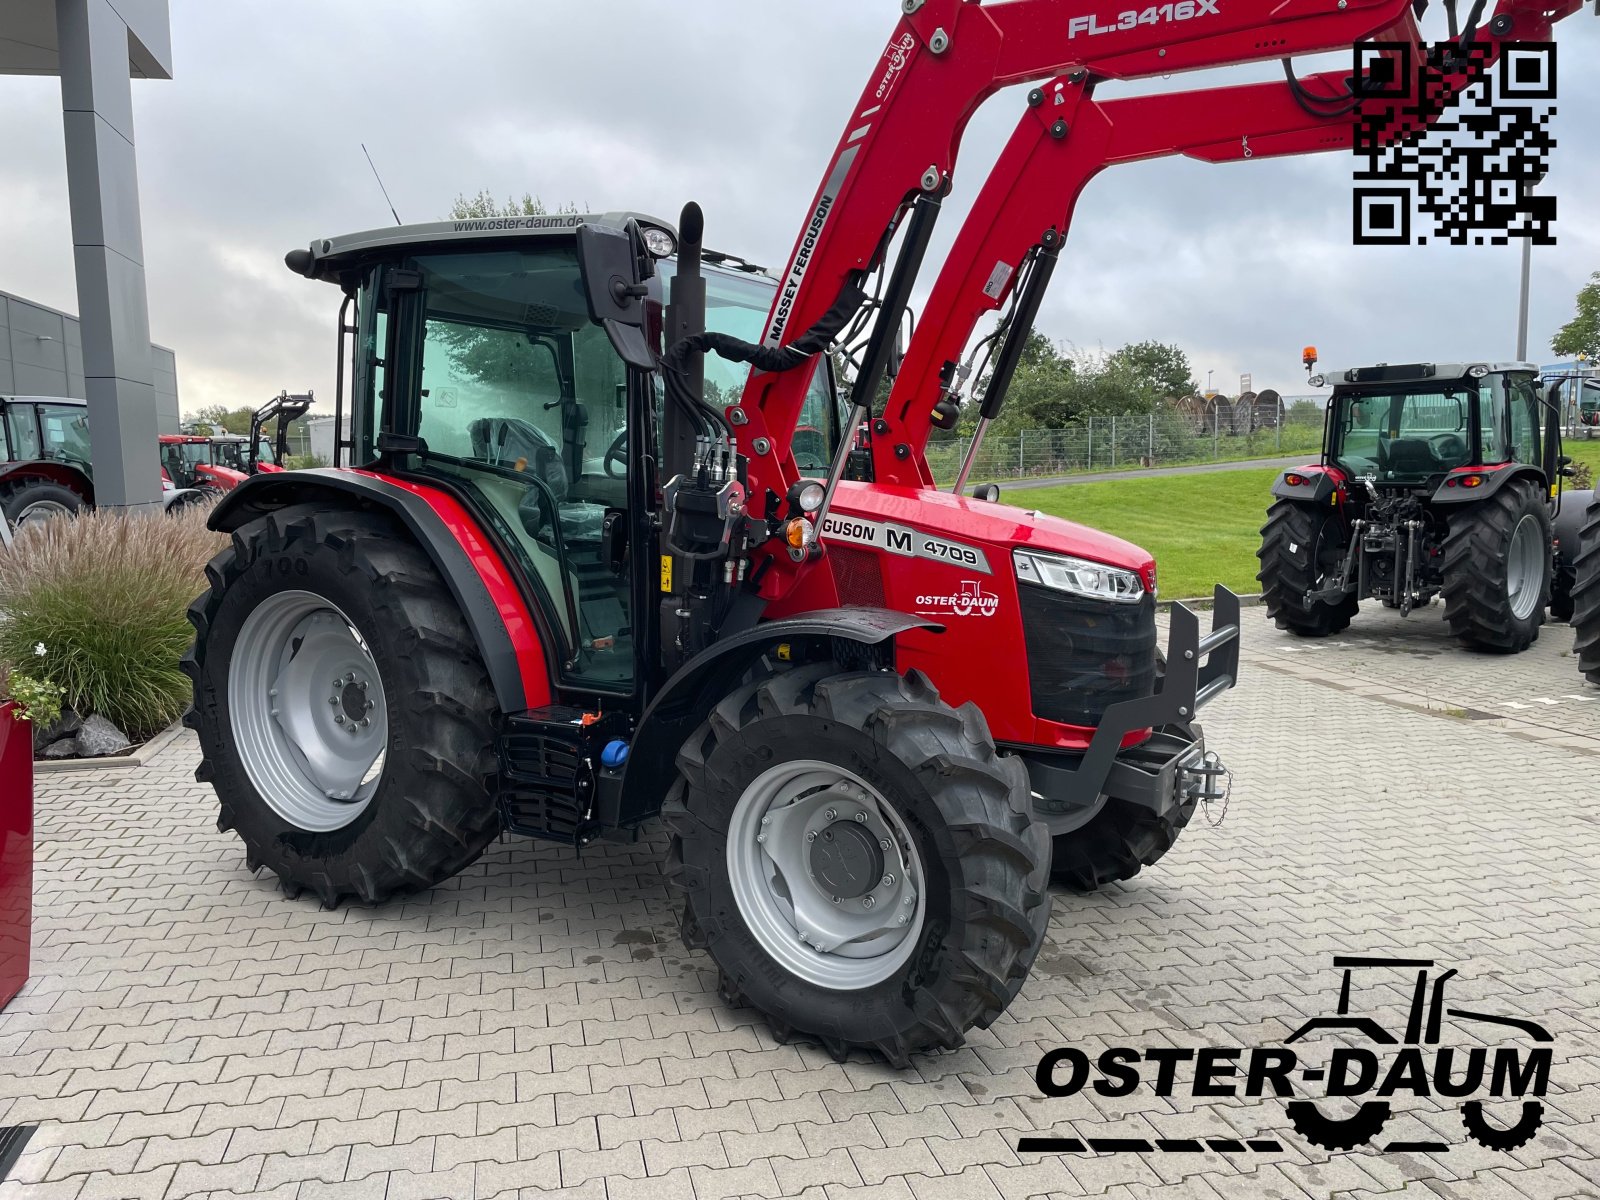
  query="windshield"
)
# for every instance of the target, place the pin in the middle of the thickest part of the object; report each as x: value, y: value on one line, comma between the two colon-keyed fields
x: 737, y: 305
x: 265, y: 453
x: 1407, y: 436
x: 195, y: 453
x: 66, y: 432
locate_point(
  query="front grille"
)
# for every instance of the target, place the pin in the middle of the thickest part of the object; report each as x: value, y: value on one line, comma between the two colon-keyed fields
x: 1086, y: 655
x: 858, y: 576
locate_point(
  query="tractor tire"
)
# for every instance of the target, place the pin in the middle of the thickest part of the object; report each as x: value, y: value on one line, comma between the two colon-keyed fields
x: 1496, y: 568
x: 1293, y: 541
x: 815, y: 752
x: 1335, y: 1133
x: 1491, y: 1136
x: 304, y: 593
x: 1586, y: 594
x: 1122, y: 839
x: 38, y: 500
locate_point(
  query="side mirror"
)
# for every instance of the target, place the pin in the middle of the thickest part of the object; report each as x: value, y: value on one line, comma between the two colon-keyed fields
x: 609, y: 260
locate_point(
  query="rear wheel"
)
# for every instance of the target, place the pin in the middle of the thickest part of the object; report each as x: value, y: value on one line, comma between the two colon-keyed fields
x: 344, y: 713
x: 31, y: 501
x: 1497, y: 570
x: 857, y: 860
x: 1301, y: 550
x: 1120, y: 841
x: 1586, y: 593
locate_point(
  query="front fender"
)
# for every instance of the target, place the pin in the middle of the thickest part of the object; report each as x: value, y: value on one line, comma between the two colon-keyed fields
x: 689, y: 695
x: 501, y: 624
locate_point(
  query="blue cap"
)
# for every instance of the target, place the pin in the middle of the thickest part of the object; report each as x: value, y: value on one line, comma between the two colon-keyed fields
x: 615, y: 753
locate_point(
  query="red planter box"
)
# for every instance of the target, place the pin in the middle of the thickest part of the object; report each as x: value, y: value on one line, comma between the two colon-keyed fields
x: 16, y: 851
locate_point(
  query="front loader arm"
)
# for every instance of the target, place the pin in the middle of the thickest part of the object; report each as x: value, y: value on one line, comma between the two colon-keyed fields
x: 1063, y: 140
x: 903, y: 137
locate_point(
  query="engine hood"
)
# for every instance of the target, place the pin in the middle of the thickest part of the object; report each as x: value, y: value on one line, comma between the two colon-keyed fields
x: 1000, y: 525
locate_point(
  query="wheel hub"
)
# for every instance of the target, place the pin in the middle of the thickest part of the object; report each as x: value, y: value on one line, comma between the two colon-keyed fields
x: 846, y: 860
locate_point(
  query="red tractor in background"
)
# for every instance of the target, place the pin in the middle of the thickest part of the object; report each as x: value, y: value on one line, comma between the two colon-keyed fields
x: 577, y: 574
x: 192, y: 460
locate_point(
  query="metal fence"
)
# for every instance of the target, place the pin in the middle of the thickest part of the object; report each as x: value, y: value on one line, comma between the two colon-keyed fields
x: 1129, y: 442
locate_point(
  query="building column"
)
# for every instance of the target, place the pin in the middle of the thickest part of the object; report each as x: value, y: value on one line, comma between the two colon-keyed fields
x: 103, y: 186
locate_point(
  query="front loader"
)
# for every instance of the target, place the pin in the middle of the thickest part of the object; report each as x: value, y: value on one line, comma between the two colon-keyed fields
x: 584, y: 567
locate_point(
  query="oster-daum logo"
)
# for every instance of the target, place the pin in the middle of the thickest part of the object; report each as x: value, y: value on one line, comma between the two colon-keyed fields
x: 1338, y: 1075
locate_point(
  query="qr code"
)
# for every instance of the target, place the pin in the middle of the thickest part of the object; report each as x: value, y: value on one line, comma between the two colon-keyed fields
x: 1449, y: 150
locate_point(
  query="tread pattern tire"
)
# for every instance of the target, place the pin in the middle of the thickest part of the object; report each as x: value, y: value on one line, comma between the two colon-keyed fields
x: 1288, y: 571
x: 16, y: 497
x: 1586, y: 593
x: 1121, y: 840
x: 433, y: 813
x: 985, y: 860
x: 1477, y: 605
x: 1338, y: 1134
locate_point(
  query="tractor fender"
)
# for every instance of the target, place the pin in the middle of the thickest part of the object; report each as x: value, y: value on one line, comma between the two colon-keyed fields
x: 1494, y: 478
x: 515, y: 665
x: 686, y: 698
x: 1317, y: 484
x: 63, y: 473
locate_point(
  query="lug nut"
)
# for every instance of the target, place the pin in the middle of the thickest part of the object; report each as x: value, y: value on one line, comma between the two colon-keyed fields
x: 812, y: 836
x: 338, y: 719
x: 832, y: 814
x: 861, y: 818
x: 761, y: 837
x: 333, y: 700
x: 888, y: 881
x: 338, y: 683
x: 904, y: 919
x: 766, y: 820
x: 883, y: 843
x: 365, y: 721
x: 867, y: 902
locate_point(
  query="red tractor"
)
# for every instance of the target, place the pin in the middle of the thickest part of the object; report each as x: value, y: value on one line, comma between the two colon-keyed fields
x: 190, y: 460
x: 579, y: 572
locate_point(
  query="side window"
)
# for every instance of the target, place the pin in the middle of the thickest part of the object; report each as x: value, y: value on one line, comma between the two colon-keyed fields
x: 24, y: 430
x: 1524, y: 422
x: 66, y: 432
x: 1492, y: 444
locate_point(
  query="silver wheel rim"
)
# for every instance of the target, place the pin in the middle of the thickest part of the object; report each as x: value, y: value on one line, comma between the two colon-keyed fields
x: 307, y: 709
x: 1525, y: 568
x: 40, y: 511
x: 843, y: 943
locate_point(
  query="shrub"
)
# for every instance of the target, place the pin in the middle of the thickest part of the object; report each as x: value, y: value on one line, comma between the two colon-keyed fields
x: 105, y: 593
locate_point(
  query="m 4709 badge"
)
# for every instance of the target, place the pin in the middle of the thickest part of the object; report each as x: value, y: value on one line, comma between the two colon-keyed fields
x: 1156, y: 14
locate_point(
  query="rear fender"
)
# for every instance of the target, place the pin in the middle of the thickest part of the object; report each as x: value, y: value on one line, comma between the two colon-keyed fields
x: 1317, y: 484
x: 686, y: 698
x: 482, y: 585
x: 65, y: 474
x: 1494, y: 479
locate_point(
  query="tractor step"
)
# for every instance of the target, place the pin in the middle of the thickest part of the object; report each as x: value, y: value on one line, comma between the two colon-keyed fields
x: 551, y: 773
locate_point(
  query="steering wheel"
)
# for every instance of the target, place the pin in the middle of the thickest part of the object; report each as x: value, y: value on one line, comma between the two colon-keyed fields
x: 1448, y: 446
x: 617, y: 453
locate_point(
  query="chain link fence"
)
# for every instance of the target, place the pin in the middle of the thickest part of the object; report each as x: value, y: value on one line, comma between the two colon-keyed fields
x: 1170, y: 437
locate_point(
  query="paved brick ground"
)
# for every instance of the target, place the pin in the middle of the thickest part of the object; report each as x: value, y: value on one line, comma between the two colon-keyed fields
x: 534, y: 1025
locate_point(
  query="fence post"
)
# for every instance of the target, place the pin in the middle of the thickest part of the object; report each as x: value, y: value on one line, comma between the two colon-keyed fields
x: 1022, y: 462
x: 1090, y: 465
x: 1216, y: 422
x: 1277, y: 431
x: 1113, y: 442
x: 1151, y: 452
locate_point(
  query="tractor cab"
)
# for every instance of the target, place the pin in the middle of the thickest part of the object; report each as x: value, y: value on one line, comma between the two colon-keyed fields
x: 1409, y: 427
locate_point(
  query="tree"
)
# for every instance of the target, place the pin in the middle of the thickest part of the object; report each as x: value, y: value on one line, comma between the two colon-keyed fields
x: 1052, y: 389
x: 218, y: 418
x: 1162, y: 368
x: 483, y: 204
x: 1580, y: 337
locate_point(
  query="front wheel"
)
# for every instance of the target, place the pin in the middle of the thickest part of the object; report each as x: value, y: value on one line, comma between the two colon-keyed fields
x: 1586, y: 593
x: 344, y: 712
x: 1496, y: 570
x: 857, y: 860
x: 34, y: 501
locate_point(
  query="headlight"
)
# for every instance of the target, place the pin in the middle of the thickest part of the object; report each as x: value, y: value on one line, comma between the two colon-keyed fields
x: 1078, y: 576
x: 659, y: 242
x: 1317, y: 381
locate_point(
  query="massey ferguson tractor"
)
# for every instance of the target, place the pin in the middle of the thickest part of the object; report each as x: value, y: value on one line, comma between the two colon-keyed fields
x: 605, y: 541
x: 1435, y: 479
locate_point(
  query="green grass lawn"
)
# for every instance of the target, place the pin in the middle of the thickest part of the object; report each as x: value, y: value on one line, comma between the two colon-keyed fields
x: 1202, y: 529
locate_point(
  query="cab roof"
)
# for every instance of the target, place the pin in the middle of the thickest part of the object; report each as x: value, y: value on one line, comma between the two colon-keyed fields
x: 327, y: 257
x: 1407, y: 373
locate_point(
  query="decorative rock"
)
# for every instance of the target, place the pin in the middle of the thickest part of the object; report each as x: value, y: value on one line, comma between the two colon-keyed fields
x: 67, y: 747
x: 100, y: 737
x: 67, y: 724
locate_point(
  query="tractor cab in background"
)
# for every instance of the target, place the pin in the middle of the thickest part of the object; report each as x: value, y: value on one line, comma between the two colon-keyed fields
x: 190, y: 460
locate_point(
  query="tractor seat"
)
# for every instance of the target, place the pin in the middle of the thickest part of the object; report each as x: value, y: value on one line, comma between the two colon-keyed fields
x: 506, y: 441
x: 1407, y: 456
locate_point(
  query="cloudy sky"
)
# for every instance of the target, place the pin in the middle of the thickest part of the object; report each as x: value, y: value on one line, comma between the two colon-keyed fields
x: 254, y: 148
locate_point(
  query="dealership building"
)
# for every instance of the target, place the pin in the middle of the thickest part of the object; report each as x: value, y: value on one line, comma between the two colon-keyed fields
x: 95, y: 48
x: 41, y: 354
